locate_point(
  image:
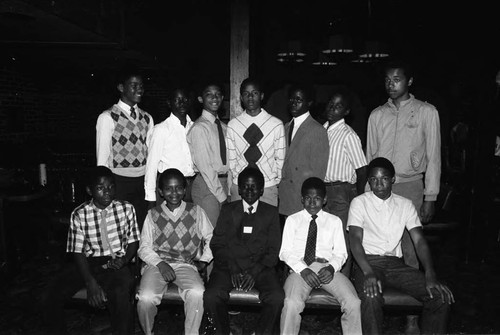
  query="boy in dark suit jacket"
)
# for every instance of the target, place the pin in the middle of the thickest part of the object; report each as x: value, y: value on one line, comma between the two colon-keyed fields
x: 245, y: 246
x: 306, y: 154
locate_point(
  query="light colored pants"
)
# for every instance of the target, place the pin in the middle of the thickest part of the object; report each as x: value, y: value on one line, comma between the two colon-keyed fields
x: 270, y: 195
x: 203, y: 197
x: 297, y: 291
x: 151, y: 291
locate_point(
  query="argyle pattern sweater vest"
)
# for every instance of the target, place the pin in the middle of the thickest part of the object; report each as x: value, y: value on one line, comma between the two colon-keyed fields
x: 176, y: 241
x: 129, y: 139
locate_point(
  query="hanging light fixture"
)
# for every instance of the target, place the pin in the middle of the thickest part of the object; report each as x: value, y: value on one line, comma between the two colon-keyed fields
x: 291, y: 52
x: 324, y: 60
x: 339, y: 44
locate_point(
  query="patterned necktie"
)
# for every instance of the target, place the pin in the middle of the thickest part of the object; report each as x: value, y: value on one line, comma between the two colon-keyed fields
x: 290, y: 132
x: 310, y: 254
x: 250, y: 209
x: 103, y: 224
x: 222, y: 142
x: 133, y: 113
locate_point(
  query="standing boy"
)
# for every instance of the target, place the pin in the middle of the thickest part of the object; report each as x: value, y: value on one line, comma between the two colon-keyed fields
x: 377, y: 220
x: 245, y: 245
x: 406, y: 131
x: 171, y: 240
x: 256, y: 139
x: 307, y: 152
x: 314, y: 248
x: 122, y: 134
x: 346, y: 162
x: 169, y: 148
x: 103, y: 238
x: 207, y: 143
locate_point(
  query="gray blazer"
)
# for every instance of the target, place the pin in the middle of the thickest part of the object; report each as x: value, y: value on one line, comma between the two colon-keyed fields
x: 306, y: 157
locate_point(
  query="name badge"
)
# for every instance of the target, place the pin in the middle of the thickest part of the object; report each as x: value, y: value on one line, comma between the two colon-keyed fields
x: 247, y: 230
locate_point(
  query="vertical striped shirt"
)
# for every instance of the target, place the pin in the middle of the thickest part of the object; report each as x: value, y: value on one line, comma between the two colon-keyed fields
x: 272, y: 146
x: 346, y: 154
x: 84, y: 234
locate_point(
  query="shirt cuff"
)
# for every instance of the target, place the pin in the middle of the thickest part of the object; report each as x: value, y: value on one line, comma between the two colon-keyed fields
x: 150, y: 195
x: 430, y: 197
x: 297, y: 268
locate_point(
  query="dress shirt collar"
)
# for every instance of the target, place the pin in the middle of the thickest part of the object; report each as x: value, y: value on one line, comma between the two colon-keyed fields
x: 209, y: 116
x: 335, y: 125
x: 125, y: 107
x: 176, y: 211
x: 402, y: 104
x: 308, y: 216
x: 246, y: 205
x: 297, y: 121
x: 98, y: 210
x: 175, y: 120
x: 379, y: 203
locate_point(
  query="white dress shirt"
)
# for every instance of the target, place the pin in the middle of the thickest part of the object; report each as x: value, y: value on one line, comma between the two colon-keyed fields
x: 297, y: 122
x: 330, y: 243
x: 383, y: 222
x: 168, y: 148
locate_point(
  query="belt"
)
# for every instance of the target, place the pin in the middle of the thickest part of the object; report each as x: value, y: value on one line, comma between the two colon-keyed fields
x: 335, y: 183
x: 320, y: 260
x: 221, y: 175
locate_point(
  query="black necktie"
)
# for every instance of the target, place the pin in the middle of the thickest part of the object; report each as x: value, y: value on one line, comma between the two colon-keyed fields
x: 250, y: 209
x: 310, y: 254
x: 132, y: 113
x: 290, y: 132
x: 222, y: 142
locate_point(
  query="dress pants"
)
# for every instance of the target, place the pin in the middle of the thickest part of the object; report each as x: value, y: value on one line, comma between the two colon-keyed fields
x: 131, y: 189
x: 205, y: 199
x: 339, y: 199
x: 297, y: 291
x: 270, y: 294
x: 153, y: 286
x: 394, y: 273
x: 118, y: 286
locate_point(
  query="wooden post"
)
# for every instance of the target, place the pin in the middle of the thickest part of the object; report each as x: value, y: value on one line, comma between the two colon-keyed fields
x: 240, y: 29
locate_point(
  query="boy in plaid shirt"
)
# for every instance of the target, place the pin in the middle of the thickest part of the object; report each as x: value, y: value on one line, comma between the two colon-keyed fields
x: 103, y: 238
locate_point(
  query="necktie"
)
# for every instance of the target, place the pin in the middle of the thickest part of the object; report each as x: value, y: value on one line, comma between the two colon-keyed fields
x: 104, y: 234
x: 133, y: 113
x: 310, y: 254
x: 222, y: 142
x: 290, y: 132
x: 250, y: 209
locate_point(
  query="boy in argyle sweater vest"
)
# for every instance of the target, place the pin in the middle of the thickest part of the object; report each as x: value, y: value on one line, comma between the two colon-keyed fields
x: 174, y: 245
x: 122, y: 135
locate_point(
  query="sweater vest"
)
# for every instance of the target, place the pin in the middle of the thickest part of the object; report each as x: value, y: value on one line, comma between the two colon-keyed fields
x: 129, y: 139
x: 176, y: 241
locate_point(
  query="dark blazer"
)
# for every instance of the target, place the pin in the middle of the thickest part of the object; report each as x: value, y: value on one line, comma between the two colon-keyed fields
x: 306, y: 157
x: 260, y: 250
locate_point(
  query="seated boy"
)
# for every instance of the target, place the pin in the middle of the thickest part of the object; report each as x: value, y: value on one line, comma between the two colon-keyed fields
x: 376, y: 223
x: 246, y: 243
x: 103, y: 237
x: 171, y: 239
x: 313, y: 246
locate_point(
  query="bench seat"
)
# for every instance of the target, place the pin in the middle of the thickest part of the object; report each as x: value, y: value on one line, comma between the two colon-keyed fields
x: 318, y: 299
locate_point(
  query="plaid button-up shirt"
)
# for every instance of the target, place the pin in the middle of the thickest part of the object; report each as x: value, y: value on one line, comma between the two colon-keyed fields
x: 84, y: 234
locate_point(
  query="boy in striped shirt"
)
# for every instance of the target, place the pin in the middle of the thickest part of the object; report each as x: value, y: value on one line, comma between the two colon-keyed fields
x: 346, y: 162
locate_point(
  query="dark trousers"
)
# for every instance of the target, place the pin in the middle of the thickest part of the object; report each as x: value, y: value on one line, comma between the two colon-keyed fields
x: 117, y: 284
x: 394, y: 273
x: 131, y: 189
x: 339, y: 197
x: 271, y: 294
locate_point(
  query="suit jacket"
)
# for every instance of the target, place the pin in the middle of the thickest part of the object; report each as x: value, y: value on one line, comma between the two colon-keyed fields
x: 261, y: 249
x: 307, y: 156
